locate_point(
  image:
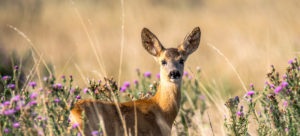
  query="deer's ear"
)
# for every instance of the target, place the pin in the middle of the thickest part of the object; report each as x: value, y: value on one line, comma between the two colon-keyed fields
x: 191, y: 42
x: 151, y: 43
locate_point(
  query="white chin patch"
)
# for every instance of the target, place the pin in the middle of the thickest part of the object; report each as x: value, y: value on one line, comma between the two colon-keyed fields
x: 173, y: 80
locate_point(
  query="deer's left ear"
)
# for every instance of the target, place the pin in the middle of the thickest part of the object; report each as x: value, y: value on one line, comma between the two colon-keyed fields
x: 191, y: 42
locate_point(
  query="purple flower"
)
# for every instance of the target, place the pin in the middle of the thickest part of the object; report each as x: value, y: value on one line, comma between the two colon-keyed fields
x: 32, y: 84
x: 285, y: 103
x: 239, y: 113
x: 236, y: 98
x: 76, y: 125
x: 85, y: 90
x: 126, y: 84
x: 137, y: 70
x: 6, y: 130
x: 95, y: 133
x: 6, y: 103
x: 185, y: 73
x: 291, y: 61
x: 9, y: 112
x: 57, y: 86
x: 250, y: 93
x: 266, y: 83
x: 78, y: 97
x: 284, y: 84
x: 251, y: 85
x: 286, y: 129
x: 72, y: 90
x: 18, y: 108
x: 56, y: 100
x: 284, y: 76
x: 278, y: 89
x: 99, y: 81
x: 190, y: 77
x: 16, y: 98
x: 135, y: 82
x: 158, y: 75
x: 33, y: 95
x: 16, y: 125
x: 123, y: 89
x: 63, y: 77
x: 259, y: 113
x: 71, y: 76
x: 16, y: 67
x: 6, y: 77
x: 11, y: 86
x: 32, y: 103
x: 272, y: 85
x: 147, y: 74
x: 39, y: 117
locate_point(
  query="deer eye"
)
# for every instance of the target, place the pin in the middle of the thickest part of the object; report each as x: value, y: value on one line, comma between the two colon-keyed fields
x: 181, y: 61
x: 163, y: 62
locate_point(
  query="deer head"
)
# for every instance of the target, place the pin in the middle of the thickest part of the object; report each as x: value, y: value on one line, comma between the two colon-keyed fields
x: 171, y: 60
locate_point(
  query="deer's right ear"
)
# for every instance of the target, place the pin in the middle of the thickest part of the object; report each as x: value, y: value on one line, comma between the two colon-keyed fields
x: 151, y: 43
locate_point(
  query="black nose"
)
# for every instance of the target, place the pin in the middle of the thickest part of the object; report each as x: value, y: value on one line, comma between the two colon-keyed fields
x: 174, y: 74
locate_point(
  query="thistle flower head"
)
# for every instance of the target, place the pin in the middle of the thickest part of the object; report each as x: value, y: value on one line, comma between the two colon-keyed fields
x: 9, y: 112
x: 32, y: 84
x: 158, y: 75
x: 147, y: 74
x: 185, y: 73
x: 6, y: 130
x: 278, y: 89
x: 284, y: 84
x: 291, y: 61
x: 135, y: 82
x: 16, y: 67
x: 250, y: 93
x: 6, y: 103
x: 123, y: 89
x: 76, y: 125
x: 11, y: 86
x: 239, y: 113
x: 33, y: 95
x: 31, y: 103
x: 72, y: 90
x: 6, y: 77
x: 126, y: 84
x: 251, y: 85
x: 16, y: 125
x: 85, y: 90
x: 56, y: 100
x: 16, y: 98
x: 284, y: 76
x: 95, y: 133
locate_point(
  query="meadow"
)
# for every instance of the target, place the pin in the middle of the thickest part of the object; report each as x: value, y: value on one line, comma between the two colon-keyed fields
x: 94, y: 39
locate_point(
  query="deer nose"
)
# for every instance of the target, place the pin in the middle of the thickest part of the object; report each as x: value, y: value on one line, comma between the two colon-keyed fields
x: 174, y: 74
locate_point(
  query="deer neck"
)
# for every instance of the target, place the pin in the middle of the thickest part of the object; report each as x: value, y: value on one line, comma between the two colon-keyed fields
x: 168, y: 98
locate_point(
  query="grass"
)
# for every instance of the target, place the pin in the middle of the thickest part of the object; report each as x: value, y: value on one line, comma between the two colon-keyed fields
x: 251, y: 35
x: 44, y: 109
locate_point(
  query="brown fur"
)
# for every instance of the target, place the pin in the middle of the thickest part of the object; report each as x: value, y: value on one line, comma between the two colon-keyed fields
x: 151, y: 117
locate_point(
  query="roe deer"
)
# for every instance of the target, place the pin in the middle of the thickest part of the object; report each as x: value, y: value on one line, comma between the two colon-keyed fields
x: 154, y: 116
